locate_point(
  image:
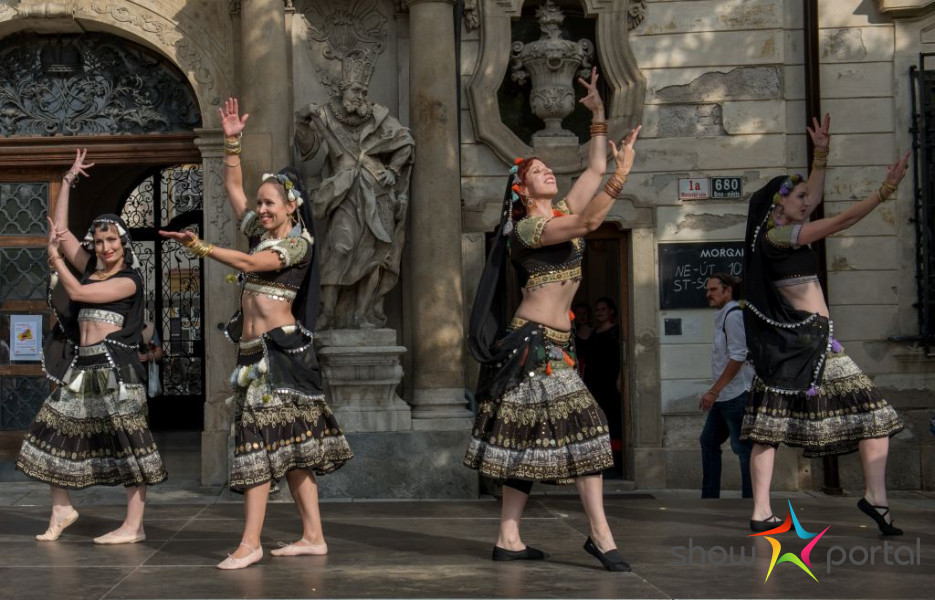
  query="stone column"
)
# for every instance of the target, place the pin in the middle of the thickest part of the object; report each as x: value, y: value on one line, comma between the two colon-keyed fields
x: 265, y: 90
x: 221, y: 299
x: 435, y: 217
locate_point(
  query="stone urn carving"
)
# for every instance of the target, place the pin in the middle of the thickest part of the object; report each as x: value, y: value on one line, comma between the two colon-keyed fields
x: 551, y: 63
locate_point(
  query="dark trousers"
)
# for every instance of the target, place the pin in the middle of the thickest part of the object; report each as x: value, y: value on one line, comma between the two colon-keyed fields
x: 724, y: 421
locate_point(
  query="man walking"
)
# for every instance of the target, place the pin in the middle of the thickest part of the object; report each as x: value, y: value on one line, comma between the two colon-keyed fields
x: 726, y: 400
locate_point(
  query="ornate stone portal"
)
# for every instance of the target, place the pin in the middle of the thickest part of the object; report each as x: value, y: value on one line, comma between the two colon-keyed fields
x: 362, y: 204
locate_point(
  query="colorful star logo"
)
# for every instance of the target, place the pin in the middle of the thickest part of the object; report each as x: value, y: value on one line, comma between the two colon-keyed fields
x: 802, y: 563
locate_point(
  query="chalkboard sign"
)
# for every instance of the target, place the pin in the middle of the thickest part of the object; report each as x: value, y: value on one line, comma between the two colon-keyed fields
x: 684, y: 269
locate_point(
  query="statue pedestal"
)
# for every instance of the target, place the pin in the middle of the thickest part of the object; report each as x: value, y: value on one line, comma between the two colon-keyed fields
x: 554, y: 150
x: 361, y: 371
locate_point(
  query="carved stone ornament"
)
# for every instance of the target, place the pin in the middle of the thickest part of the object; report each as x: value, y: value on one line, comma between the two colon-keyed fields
x: 92, y: 84
x: 618, y: 69
x: 636, y: 14
x: 551, y: 63
x: 233, y: 7
x: 339, y: 29
x: 471, y: 15
x: 6, y: 11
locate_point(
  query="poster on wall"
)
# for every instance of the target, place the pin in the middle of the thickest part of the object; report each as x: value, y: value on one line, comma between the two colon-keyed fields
x: 25, y: 337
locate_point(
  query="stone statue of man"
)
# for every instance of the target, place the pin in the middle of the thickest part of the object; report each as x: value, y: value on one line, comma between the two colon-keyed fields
x: 362, y: 201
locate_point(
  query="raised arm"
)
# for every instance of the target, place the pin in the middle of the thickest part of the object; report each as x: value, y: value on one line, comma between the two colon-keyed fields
x: 562, y: 229
x: 233, y: 124
x: 821, y: 141
x: 265, y: 260
x: 822, y: 228
x: 582, y: 192
x: 70, y: 246
x: 100, y: 292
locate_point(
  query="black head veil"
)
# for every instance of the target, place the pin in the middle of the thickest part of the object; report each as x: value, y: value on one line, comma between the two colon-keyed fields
x: 787, y: 346
x: 305, y: 305
x: 485, y: 327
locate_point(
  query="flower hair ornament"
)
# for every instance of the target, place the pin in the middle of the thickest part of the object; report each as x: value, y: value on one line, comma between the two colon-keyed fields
x: 515, y: 190
x: 784, y: 190
x: 291, y: 192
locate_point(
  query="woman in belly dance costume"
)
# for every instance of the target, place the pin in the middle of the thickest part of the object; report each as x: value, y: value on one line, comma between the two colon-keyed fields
x: 93, y: 429
x: 283, y: 425
x: 807, y: 391
x: 536, y: 419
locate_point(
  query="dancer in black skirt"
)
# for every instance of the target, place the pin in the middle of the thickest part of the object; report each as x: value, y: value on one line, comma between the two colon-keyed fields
x: 93, y: 430
x: 283, y: 425
x: 807, y: 391
x: 536, y: 419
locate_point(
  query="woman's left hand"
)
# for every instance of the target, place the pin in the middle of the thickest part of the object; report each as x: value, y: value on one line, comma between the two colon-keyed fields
x: 821, y: 132
x: 55, y: 241
x: 592, y: 99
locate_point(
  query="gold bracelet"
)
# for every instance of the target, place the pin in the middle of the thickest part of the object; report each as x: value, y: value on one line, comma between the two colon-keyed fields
x: 232, y: 166
x: 884, y: 194
x: 821, y: 152
x: 614, y: 185
x: 232, y: 151
x: 890, y: 186
x: 599, y: 128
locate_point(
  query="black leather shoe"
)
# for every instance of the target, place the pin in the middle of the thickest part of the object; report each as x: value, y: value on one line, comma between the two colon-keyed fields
x: 527, y: 553
x: 611, y: 559
x: 766, y: 524
x: 886, y: 528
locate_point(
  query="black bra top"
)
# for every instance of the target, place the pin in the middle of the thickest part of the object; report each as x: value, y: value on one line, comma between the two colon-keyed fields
x: 538, y: 264
x: 786, y: 259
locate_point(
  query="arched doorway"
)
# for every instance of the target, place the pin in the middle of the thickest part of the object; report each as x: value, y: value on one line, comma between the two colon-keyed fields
x: 136, y: 113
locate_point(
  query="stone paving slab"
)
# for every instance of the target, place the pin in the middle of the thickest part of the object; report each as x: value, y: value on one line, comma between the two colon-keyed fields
x: 679, y: 547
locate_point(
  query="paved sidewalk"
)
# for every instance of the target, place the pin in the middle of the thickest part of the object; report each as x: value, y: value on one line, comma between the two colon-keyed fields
x: 442, y: 549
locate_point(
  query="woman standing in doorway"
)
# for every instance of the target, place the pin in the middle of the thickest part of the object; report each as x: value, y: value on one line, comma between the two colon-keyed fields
x: 603, y: 376
x: 536, y: 420
x: 93, y: 429
x: 283, y: 426
x: 807, y: 391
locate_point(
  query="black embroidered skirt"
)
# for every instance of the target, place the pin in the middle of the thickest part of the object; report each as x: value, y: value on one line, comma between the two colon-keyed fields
x: 92, y: 431
x: 547, y: 427
x: 278, y: 430
x: 847, y: 409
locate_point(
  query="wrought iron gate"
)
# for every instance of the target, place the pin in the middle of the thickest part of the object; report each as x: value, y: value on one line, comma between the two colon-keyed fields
x: 922, y: 81
x: 171, y: 198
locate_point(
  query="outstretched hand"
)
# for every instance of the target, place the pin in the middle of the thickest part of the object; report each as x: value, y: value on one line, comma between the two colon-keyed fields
x: 625, y: 155
x: 231, y: 121
x: 820, y: 132
x: 78, y: 167
x: 592, y: 100
x: 896, y: 171
x: 186, y: 237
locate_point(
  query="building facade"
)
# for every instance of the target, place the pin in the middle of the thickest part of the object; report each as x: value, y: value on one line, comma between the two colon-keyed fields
x: 723, y: 90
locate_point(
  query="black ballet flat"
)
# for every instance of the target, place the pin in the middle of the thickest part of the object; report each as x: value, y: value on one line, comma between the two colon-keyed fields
x: 886, y: 528
x: 527, y: 553
x: 611, y: 559
x: 770, y: 522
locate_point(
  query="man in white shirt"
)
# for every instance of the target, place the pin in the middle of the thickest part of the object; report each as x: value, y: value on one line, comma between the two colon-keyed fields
x: 726, y: 401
